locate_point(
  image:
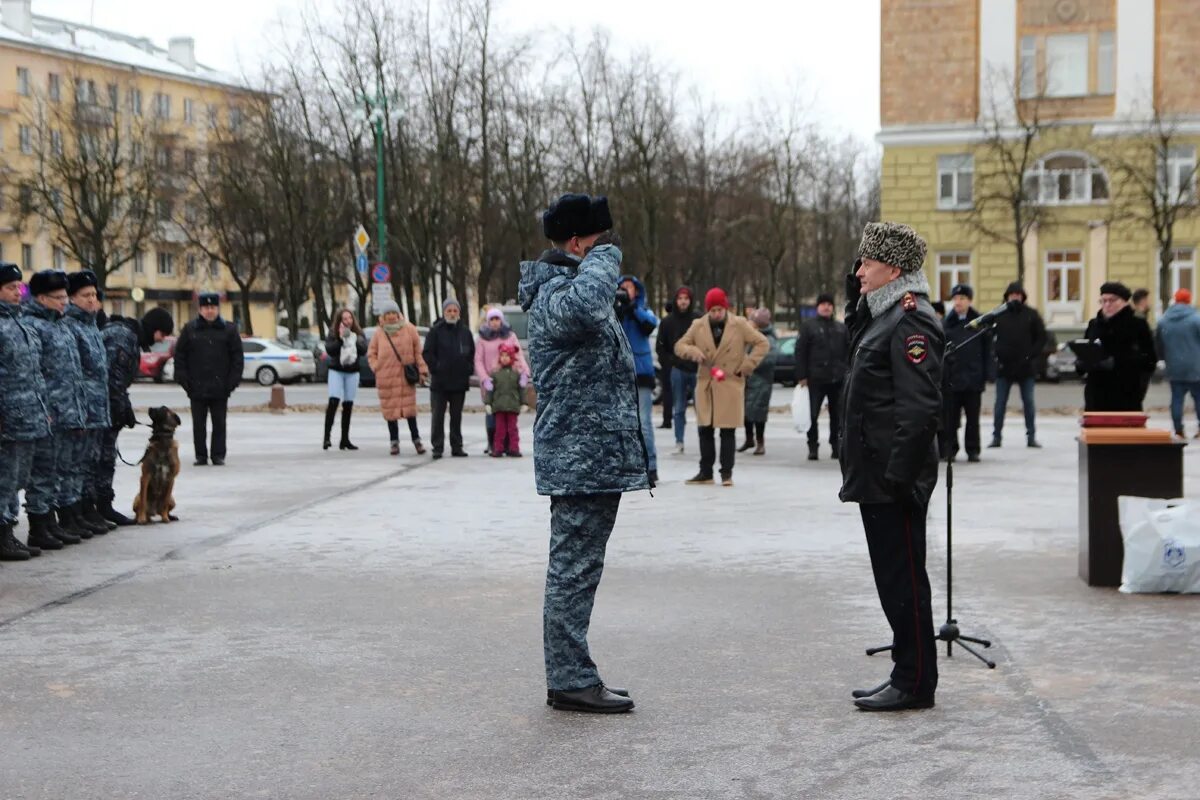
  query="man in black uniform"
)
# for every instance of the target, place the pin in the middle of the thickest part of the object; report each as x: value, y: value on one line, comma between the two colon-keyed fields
x: 821, y: 366
x: 891, y: 406
x: 208, y: 365
x: 966, y: 374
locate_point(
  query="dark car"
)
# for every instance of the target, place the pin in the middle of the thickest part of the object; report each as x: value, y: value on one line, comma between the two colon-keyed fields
x: 785, y: 361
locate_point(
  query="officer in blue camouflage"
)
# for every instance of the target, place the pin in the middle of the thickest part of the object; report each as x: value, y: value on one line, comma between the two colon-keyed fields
x: 83, y: 287
x: 588, y: 446
x: 24, y: 420
x: 43, y: 311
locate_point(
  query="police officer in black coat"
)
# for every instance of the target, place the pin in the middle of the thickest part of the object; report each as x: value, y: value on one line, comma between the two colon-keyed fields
x: 891, y: 407
x: 1115, y: 382
x: 967, y: 372
x: 208, y: 365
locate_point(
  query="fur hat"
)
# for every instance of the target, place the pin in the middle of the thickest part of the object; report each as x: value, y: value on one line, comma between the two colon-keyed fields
x: 209, y: 299
x: 9, y: 273
x: 47, y: 281
x: 894, y: 244
x: 576, y: 215
x: 77, y: 281
x: 157, y: 319
x: 1117, y: 288
x: 825, y: 297
x: 715, y: 297
x: 963, y: 289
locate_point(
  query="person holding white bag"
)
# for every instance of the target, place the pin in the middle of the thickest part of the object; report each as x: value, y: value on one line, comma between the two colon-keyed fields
x: 345, y: 346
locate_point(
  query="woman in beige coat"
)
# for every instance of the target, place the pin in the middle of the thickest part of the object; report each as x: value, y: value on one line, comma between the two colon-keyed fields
x: 727, y: 348
x: 394, y: 345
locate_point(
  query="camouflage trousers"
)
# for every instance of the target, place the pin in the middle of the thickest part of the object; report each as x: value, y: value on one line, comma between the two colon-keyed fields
x: 41, y: 492
x: 100, y: 481
x: 76, y: 462
x: 16, y: 459
x: 579, y: 529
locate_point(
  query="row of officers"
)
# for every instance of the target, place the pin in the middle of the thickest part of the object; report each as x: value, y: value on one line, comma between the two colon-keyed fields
x: 65, y: 372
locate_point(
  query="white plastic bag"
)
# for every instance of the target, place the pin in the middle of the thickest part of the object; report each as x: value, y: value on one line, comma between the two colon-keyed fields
x: 801, y: 417
x: 1162, y: 545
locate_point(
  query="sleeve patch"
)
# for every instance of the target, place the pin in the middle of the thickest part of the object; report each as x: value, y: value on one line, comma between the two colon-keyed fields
x: 916, y: 348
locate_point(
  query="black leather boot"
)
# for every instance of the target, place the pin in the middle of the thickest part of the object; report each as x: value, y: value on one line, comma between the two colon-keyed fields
x: 111, y: 515
x: 347, y: 410
x: 594, y: 699
x: 71, y: 522
x: 813, y: 455
x: 330, y: 415
x: 88, y: 514
x: 40, y: 536
x: 10, y: 548
x: 58, y: 532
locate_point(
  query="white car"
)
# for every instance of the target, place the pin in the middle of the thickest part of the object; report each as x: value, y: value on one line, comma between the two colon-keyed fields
x: 268, y: 362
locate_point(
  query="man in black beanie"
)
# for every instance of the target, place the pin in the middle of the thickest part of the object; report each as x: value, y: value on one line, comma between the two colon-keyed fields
x: 966, y: 374
x: 821, y: 360
x: 1115, y: 382
x: 1020, y: 337
x: 208, y: 365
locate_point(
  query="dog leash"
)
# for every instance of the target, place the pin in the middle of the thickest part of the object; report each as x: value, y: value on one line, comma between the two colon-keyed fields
x: 136, y: 421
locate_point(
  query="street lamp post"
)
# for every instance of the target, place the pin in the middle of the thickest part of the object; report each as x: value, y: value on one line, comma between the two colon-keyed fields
x: 380, y: 115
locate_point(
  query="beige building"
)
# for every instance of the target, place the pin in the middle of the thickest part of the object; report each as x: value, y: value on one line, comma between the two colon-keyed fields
x: 48, y: 61
x: 955, y: 71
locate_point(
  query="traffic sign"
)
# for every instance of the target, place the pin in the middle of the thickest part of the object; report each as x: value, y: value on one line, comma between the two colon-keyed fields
x: 381, y: 273
x: 360, y: 263
x: 380, y: 294
x: 361, y: 240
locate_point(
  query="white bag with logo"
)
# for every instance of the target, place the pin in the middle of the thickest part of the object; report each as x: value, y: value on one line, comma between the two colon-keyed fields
x: 1162, y: 545
x: 801, y: 417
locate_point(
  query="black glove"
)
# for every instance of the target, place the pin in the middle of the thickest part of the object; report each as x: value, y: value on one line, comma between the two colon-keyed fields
x: 853, y: 284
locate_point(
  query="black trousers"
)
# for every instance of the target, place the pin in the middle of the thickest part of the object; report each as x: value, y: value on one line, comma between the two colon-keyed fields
x: 393, y: 426
x: 441, y: 401
x: 201, y: 409
x: 668, y: 399
x: 955, y: 404
x: 708, y: 450
x: 896, y: 542
x: 817, y: 394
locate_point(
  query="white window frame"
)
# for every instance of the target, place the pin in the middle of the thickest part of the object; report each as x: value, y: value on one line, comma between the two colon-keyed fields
x: 957, y: 167
x: 214, y: 268
x: 166, y: 264
x: 1048, y: 182
x: 1067, y: 57
x: 1182, y: 258
x: 1074, y: 308
x: 54, y: 86
x: 190, y: 264
x: 25, y: 137
x: 162, y: 105
x: 27, y: 257
x: 135, y: 101
x: 1029, y: 67
x: 23, y: 82
x: 139, y: 263
x: 60, y: 258
x: 1180, y: 174
x: 958, y: 271
x: 189, y: 110
x: 1106, y: 62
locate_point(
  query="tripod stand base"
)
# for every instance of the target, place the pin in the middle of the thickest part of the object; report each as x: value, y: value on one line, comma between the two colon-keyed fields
x: 951, y: 635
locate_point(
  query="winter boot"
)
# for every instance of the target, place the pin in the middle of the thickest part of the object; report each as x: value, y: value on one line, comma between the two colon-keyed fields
x: 73, y: 526
x: 761, y: 450
x: 81, y: 523
x: 64, y: 536
x: 748, y: 444
x: 10, y: 548
x: 330, y: 413
x: 91, y: 516
x: 347, y: 410
x: 813, y: 453
x: 39, y: 534
x: 110, y: 514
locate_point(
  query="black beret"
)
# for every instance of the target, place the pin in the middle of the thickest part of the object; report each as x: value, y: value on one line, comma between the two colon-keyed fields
x: 824, y: 297
x: 963, y: 289
x: 47, y: 281
x: 81, y: 280
x: 9, y: 273
x: 158, y: 319
x: 1117, y: 288
x: 210, y: 299
x: 576, y: 215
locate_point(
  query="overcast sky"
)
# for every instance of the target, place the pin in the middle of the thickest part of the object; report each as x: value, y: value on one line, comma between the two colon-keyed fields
x: 829, y: 49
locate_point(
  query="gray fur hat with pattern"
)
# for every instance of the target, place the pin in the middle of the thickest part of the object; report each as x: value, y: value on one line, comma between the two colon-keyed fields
x: 894, y: 244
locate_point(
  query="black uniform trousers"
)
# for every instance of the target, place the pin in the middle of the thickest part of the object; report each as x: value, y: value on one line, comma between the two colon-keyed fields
x: 201, y: 409
x: 441, y: 402
x: 817, y: 394
x: 896, y: 542
x: 956, y: 404
x: 708, y: 449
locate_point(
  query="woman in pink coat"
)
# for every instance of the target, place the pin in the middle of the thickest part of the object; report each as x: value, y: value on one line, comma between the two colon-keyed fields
x: 492, y: 334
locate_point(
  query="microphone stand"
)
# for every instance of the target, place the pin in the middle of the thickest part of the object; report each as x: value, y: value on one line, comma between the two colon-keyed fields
x: 949, y: 632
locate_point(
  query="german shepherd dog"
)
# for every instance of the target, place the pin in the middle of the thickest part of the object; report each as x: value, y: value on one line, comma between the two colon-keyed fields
x: 160, y: 467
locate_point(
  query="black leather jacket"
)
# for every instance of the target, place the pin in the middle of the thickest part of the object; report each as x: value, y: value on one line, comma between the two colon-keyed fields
x: 821, y: 355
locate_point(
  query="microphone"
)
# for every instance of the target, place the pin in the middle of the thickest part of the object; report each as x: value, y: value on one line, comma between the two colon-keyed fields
x: 991, y: 316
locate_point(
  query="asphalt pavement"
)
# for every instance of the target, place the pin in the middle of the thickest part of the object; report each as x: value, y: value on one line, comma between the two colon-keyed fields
x: 355, y: 625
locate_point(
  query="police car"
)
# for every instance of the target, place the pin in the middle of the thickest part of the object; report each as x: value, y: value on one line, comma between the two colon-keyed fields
x: 268, y: 362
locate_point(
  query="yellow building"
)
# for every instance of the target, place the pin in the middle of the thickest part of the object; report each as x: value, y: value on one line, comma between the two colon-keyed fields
x: 956, y: 72
x: 46, y: 62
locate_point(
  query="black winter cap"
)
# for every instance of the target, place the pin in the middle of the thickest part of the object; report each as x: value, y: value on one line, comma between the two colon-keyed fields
x: 824, y: 297
x: 9, y: 273
x: 158, y: 319
x: 47, y: 281
x: 576, y: 215
x: 81, y: 280
x: 963, y: 289
x: 1016, y: 287
x: 1117, y: 288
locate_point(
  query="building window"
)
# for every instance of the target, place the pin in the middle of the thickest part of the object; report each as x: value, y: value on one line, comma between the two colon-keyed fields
x: 27, y: 257
x: 191, y: 264
x: 1029, y: 68
x: 189, y: 159
x: 214, y: 117
x: 166, y: 264
x: 1067, y: 65
x: 25, y: 135
x: 165, y: 210
x: 189, y: 110
x: 135, y: 101
x: 23, y: 81
x: 162, y: 105
x: 956, y: 179
x: 214, y: 268
x: 1064, y: 277
x: 60, y: 258
x: 1183, y: 269
x: 235, y: 118
x: 1106, y: 63
x: 85, y: 92
x: 952, y: 269
x: 118, y: 307
x: 25, y: 198
x: 163, y: 157
x: 1177, y: 175
x: 56, y: 146
x: 56, y: 200
x: 54, y: 87
x: 139, y: 263
x: 1063, y: 179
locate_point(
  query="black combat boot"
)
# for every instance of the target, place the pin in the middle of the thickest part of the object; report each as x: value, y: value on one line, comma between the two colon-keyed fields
x: 813, y: 455
x: 58, y: 532
x: 112, y: 516
x: 330, y: 415
x: 91, y: 518
x: 72, y: 524
x: 39, y: 533
x: 10, y: 548
x: 347, y: 410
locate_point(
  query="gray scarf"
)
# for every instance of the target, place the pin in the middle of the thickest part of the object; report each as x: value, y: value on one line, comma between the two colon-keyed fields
x: 883, y: 298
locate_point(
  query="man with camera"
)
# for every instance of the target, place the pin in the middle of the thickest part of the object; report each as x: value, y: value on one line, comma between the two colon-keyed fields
x: 889, y: 457
x: 639, y: 322
x: 588, y: 444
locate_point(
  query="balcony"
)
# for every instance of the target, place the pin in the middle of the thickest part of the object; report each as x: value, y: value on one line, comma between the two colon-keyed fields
x: 93, y: 115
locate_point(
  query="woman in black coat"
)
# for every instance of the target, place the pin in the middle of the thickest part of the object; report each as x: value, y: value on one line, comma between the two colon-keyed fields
x: 345, y: 345
x: 1115, y: 382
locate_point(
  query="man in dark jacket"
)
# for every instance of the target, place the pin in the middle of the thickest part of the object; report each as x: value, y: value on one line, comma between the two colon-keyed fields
x: 82, y: 315
x: 680, y: 372
x: 638, y: 322
x: 1115, y: 382
x: 588, y: 446
x: 1019, y: 340
x: 208, y: 365
x: 821, y: 358
x: 967, y: 370
x: 892, y: 404
x: 450, y: 354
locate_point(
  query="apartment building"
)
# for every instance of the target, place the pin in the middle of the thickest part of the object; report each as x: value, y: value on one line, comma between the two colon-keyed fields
x: 45, y: 62
x: 956, y: 73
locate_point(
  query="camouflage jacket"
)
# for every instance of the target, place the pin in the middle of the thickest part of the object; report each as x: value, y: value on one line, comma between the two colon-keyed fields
x: 95, y: 368
x: 586, y: 436
x: 124, y: 354
x: 23, y: 413
x: 60, y: 365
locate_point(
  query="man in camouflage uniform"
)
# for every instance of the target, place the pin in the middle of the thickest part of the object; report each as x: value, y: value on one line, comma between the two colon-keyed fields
x: 81, y: 319
x: 892, y: 402
x: 23, y: 417
x: 44, y: 311
x: 588, y: 446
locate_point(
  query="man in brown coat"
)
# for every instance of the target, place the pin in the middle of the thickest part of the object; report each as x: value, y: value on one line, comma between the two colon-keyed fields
x: 727, y: 348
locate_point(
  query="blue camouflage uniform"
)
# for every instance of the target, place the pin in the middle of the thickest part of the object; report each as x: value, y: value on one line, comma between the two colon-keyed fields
x: 64, y: 398
x: 96, y: 420
x: 123, y: 350
x: 24, y: 419
x: 588, y: 446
